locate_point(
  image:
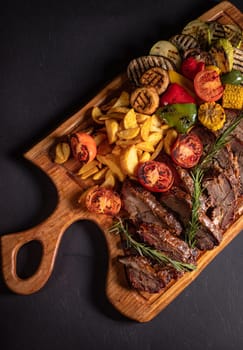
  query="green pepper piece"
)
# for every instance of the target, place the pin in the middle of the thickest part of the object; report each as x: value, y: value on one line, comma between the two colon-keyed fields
x: 181, y: 116
x: 235, y: 77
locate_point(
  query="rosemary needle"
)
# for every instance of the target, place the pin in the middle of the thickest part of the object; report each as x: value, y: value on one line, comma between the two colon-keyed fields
x: 198, y: 174
x: 145, y: 250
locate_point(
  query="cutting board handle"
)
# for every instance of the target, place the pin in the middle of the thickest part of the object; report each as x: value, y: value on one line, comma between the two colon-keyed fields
x: 49, y: 234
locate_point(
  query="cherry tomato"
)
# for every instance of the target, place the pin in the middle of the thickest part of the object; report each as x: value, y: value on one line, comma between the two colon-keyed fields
x: 208, y: 86
x: 83, y: 147
x: 102, y: 200
x: 187, y: 150
x: 155, y: 176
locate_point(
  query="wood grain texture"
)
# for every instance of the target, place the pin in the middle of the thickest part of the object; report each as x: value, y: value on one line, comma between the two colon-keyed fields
x: 141, y: 307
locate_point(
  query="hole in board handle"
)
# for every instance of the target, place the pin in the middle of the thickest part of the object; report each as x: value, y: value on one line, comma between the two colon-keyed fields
x: 28, y: 259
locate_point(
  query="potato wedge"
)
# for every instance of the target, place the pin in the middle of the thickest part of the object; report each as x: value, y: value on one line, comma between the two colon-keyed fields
x: 157, y: 150
x: 145, y: 146
x: 130, y: 119
x: 96, y: 113
x: 112, y: 128
x: 88, y: 166
x: 145, y: 129
x: 100, y: 174
x: 169, y: 139
x: 113, y: 163
x: 129, y: 160
x: 89, y: 173
x: 154, y: 138
x: 145, y: 157
x: 123, y: 100
x: 122, y: 110
x: 62, y: 152
x: 128, y: 134
x: 142, y: 117
x: 110, y: 180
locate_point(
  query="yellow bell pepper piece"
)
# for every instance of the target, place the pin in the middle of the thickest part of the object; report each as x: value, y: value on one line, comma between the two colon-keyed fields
x: 178, y: 78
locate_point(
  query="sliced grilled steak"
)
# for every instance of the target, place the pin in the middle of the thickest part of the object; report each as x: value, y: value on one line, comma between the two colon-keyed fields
x: 143, y: 206
x: 206, y: 136
x: 231, y: 115
x: 161, y: 239
x: 237, y: 149
x: 179, y: 202
x: 186, y: 181
x: 146, y: 277
x: 204, y: 239
x: 236, y: 146
x: 221, y: 200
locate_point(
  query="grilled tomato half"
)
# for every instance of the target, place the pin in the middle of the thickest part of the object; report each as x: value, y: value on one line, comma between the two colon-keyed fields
x: 155, y: 176
x: 187, y: 150
x: 83, y: 147
x: 103, y: 200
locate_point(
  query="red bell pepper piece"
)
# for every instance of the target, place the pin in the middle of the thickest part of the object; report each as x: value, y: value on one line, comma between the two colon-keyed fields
x: 176, y: 94
x: 191, y: 66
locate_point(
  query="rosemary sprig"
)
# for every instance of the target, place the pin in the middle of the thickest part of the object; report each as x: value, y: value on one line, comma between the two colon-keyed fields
x: 220, y: 142
x: 194, y: 223
x: 145, y: 250
x: 198, y: 174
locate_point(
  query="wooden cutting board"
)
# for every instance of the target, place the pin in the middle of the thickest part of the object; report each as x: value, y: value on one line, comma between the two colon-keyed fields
x: 138, y: 306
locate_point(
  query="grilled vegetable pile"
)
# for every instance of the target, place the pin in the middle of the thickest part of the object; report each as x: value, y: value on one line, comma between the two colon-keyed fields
x: 160, y: 156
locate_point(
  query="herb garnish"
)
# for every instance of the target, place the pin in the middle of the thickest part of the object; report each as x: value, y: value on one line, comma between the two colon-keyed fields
x: 144, y: 250
x: 198, y: 174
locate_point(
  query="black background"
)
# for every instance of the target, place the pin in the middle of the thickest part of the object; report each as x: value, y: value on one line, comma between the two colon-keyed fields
x: 54, y: 57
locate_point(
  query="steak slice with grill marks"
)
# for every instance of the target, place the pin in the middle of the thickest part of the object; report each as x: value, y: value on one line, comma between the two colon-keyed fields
x: 142, y: 206
x: 180, y: 203
x: 161, y: 239
x: 145, y: 276
x: 237, y: 149
x: 221, y: 200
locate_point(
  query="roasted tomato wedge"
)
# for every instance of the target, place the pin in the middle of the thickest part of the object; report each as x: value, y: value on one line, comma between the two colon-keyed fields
x: 208, y: 86
x: 83, y: 147
x: 155, y: 176
x: 102, y: 200
x: 187, y: 150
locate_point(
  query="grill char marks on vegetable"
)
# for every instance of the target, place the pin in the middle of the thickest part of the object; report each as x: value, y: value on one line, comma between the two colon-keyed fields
x: 145, y: 276
x: 142, y: 206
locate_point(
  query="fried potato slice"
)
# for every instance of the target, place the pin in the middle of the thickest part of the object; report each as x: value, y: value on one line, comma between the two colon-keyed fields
x: 110, y: 180
x: 112, y: 128
x: 154, y: 138
x: 62, y: 152
x: 145, y: 146
x: 169, y: 139
x: 96, y: 113
x: 118, y: 109
x: 145, y: 156
x: 145, y: 129
x: 113, y: 163
x: 86, y: 167
x: 123, y: 100
x: 100, y: 174
x: 142, y: 117
x: 128, y: 134
x: 129, y: 160
x: 157, y: 150
x: 130, y: 119
x: 89, y: 173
